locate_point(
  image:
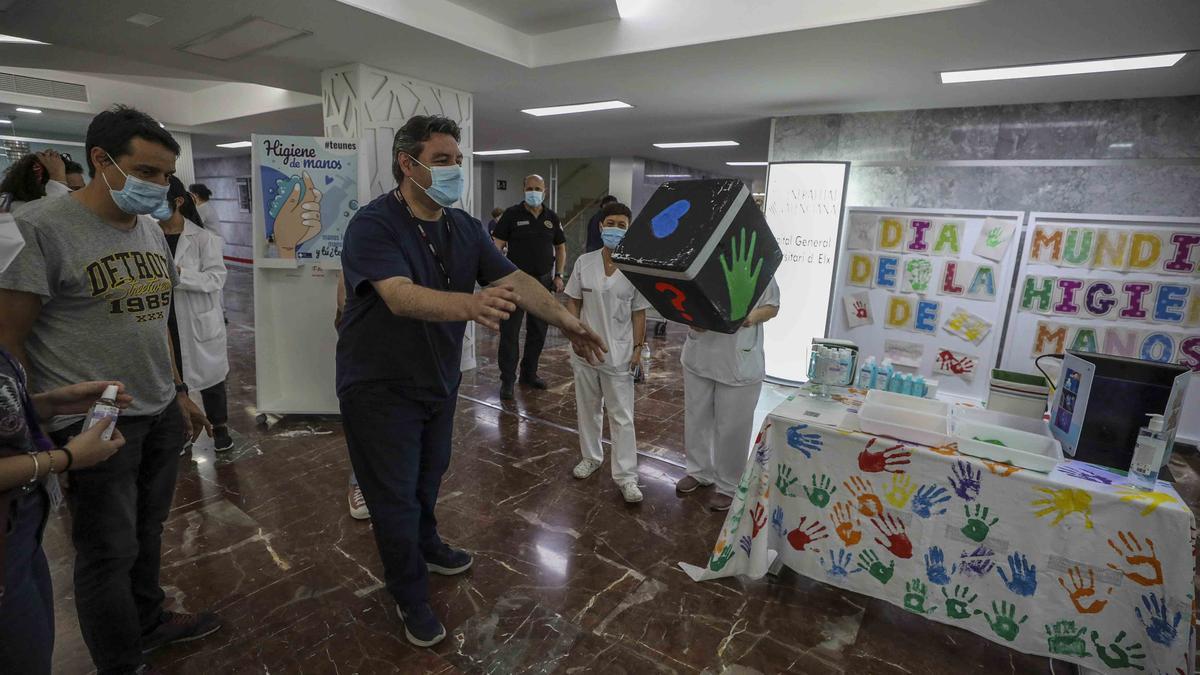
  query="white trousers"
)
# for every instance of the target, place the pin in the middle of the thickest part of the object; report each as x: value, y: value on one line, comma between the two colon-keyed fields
x: 718, y: 422
x: 594, y: 391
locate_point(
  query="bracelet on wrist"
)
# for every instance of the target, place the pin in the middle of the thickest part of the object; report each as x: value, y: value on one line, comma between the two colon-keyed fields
x: 70, y: 458
x: 37, y: 468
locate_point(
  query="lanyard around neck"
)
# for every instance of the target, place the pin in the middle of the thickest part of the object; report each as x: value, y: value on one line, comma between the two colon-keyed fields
x: 437, y: 257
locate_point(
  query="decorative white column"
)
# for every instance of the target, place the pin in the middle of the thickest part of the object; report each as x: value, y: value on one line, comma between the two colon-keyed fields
x: 364, y: 102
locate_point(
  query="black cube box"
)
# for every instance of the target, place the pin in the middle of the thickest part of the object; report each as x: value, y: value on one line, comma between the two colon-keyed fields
x: 701, y: 252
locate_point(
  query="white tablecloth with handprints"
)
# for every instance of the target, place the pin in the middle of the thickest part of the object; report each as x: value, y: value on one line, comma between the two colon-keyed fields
x: 1074, y: 565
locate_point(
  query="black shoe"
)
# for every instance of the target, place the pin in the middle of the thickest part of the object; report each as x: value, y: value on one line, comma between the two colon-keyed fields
x: 506, y: 391
x: 421, y: 625
x: 534, y: 381
x: 448, y: 561
x: 221, y: 439
x: 176, y: 628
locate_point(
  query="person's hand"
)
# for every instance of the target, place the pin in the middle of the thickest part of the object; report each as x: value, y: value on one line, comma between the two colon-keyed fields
x: 586, y: 343
x: 558, y: 285
x: 299, y: 218
x: 77, y: 399
x: 55, y: 167
x: 89, y: 448
x: 492, y: 305
x: 635, y: 359
x: 194, y: 420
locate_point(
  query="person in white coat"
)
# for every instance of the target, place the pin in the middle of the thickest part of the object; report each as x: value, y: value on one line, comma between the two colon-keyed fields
x: 197, y: 320
x: 207, y: 210
x: 605, y: 301
x: 722, y: 379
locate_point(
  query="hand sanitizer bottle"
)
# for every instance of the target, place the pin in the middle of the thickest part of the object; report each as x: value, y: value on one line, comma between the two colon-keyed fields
x: 105, y: 408
x: 1148, y: 455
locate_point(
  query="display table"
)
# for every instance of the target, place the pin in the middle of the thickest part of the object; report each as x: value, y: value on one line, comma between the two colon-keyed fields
x: 1073, y: 565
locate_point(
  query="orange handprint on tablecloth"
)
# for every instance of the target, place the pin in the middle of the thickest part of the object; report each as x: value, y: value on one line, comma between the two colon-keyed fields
x: 845, y: 524
x: 864, y: 493
x: 1135, y: 555
x: 1001, y: 469
x: 1081, y: 590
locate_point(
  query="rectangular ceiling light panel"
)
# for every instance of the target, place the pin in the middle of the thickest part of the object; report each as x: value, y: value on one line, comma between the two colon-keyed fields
x: 1065, y: 68
x: 576, y: 108
x: 243, y: 38
x: 697, y: 144
x: 511, y: 151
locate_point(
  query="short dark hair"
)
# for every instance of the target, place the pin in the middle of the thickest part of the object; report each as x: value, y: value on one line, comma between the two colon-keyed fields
x: 72, y: 166
x: 607, y: 199
x: 615, y: 208
x: 113, y: 129
x: 200, y: 190
x: 497, y: 212
x: 410, y: 138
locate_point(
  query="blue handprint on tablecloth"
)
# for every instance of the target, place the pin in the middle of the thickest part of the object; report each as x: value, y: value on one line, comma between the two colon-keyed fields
x: 839, y: 564
x: 1024, y: 575
x: 1091, y: 475
x: 935, y: 567
x: 976, y: 563
x: 745, y: 543
x: 966, y: 481
x: 1160, y: 629
x: 928, y: 498
x: 807, y: 444
x: 777, y: 522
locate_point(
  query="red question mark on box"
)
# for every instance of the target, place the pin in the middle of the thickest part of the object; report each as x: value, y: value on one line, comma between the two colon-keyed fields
x: 677, y: 301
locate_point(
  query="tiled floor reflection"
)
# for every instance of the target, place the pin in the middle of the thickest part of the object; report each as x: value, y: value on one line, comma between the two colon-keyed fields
x: 568, y: 579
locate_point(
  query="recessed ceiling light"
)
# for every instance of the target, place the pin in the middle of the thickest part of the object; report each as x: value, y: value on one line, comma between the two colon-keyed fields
x: 245, y: 37
x: 576, y: 108
x: 144, y: 20
x: 31, y: 111
x: 746, y: 163
x: 14, y: 40
x: 697, y: 144
x: 235, y: 144
x: 5, y: 121
x: 668, y: 175
x: 1064, y: 68
x: 758, y: 194
x: 510, y: 151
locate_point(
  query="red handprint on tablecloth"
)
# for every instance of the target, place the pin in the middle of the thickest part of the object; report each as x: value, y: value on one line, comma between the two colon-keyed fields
x: 889, y: 459
x: 892, y: 528
x: 801, y: 536
x: 758, y: 517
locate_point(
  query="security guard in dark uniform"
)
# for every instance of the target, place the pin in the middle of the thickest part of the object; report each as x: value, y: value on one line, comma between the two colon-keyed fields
x: 536, y: 244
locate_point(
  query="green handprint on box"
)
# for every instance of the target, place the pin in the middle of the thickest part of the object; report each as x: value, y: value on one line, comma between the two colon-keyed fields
x: 958, y: 605
x: 1116, y: 655
x: 869, y: 561
x: 1065, y: 639
x: 1003, y: 620
x: 821, y: 490
x: 784, y: 480
x: 740, y: 279
x: 995, y: 236
x: 977, y: 526
x: 914, y: 598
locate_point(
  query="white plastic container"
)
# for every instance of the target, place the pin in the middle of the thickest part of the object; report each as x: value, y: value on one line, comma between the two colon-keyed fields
x: 104, y: 409
x: 1000, y: 419
x: 1007, y: 445
x: 907, y: 418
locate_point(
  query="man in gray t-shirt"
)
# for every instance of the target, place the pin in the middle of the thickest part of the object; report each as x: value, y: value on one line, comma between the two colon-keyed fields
x: 105, y: 294
x: 88, y: 299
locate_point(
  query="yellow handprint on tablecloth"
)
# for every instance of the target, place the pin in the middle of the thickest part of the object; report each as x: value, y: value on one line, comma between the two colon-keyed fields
x: 1152, y: 500
x: 1063, y: 502
x: 902, y: 488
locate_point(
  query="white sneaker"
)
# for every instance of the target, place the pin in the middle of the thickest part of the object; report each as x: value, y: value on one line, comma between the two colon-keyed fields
x: 585, y: 468
x: 358, y: 505
x: 630, y: 491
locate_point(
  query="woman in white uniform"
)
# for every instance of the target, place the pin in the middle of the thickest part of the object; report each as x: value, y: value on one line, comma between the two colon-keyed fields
x: 722, y: 378
x: 608, y: 303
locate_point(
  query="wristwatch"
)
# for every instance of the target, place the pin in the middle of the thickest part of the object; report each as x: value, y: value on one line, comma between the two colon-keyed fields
x: 181, y: 388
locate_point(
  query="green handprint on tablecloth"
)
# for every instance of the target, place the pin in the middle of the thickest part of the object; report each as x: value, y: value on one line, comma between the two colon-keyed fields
x: 821, y: 489
x: 958, y: 605
x: 740, y: 278
x: 868, y: 560
x: 1116, y: 655
x: 1003, y: 620
x: 977, y: 526
x: 1065, y: 639
x: 914, y: 598
x: 784, y: 480
x: 718, y: 562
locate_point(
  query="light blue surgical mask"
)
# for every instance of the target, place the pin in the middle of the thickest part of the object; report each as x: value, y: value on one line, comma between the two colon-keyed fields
x: 534, y: 198
x: 163, y: 212
x: 138, y: 197
x: 612, y: 236
x: 446, y: 184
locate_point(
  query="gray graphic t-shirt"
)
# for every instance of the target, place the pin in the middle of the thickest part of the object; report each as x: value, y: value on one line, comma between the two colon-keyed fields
x: 105, y: 293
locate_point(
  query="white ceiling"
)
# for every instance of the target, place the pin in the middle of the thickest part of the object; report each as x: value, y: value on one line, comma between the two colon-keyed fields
x: 544, y: 17
x: 717, y: 90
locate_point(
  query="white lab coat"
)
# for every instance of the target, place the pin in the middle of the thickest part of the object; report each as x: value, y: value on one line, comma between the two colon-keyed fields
x: 608, y: 304
x: 208, y: 214
x: 198, y: 312
x: 722, y: 380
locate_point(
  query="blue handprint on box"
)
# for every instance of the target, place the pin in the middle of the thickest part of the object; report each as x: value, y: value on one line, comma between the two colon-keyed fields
x: 928, y: 498
x: 807, y: 444
x: 1159, y: 628
x: 935, y: 567
x: 839, y: 564
x: 666, y: 221
x: 1024, y: 575
x: 965, y: 480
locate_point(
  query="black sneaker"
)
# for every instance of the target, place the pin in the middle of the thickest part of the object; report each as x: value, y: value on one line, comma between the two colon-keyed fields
x: 221, y: 439
x: 448, y: 561
x: 506, y: 391
x: 534, y: 381
x: 176, y: 627
x: 421, y: 625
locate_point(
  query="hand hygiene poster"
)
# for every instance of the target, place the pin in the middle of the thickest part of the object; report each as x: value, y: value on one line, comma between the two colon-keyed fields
x: 309, y: 193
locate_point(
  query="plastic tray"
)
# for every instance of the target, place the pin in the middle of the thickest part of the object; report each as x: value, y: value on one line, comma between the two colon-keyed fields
x: 907, y: 418
x: 1000, y: 419
x: 1033, y: 451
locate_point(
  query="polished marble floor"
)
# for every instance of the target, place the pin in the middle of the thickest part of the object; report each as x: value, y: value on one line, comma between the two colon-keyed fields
x: 568, y: 578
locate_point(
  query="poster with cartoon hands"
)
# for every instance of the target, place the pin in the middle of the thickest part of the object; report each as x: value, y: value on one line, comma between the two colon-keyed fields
x: 309, y: 191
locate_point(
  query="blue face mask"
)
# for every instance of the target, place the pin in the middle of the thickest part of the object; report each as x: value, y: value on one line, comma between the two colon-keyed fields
x: 163, y: 212
x: 138, y: 197
x: 534, y: 198
x: 612, y: 236
x: 447, y: 183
